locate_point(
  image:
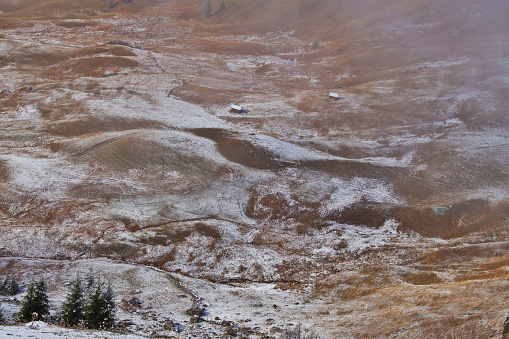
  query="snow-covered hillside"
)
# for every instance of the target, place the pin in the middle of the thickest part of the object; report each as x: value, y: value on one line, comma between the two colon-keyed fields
x: 118, y: 150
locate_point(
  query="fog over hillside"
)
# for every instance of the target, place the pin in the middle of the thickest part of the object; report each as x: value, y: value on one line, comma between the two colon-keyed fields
x: 382, y: 213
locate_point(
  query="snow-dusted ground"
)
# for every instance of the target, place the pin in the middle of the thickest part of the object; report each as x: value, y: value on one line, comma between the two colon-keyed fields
x: 107, y: 163
x: 41, y: 330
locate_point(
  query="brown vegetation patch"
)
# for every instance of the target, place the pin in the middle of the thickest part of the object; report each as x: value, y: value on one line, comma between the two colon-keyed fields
x: 181, y: 233
x: 96, y: 66
x: 4, y: 171
x: 215, y: 134
x: 114, y: 49
x: 415, y: 190
x: 495, y: 274
x: 422, y: 278
x: 116, y: 250
x: 498, y: 262
x: 207, y: 231
x: 4, y: 61
x: 207, y: 96
x: 97, y: 191
x: 121, y: 51
x: 248, y: 154
x: 124, y: 152
x: 451, y: 221
x: 94, y: 124
x: 51, y: 9
x: 35, y: 57
x: 277, y: 206
x: 155, y: 240
x: 363, y: 214
x: 475, y: 252
x: 235, y: 47
x: 353, y: 169
x: 351, y: 288
x: 62, y: 110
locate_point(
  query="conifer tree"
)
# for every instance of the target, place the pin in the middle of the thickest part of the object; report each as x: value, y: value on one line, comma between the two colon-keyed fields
x: 110, y: 307
x: 89, y: 283
x: 506, y: 327
x: 100, y: 312
x: 93, y: 313
x: 9, y: 286
x: 73, y: 309
x: 35, y: 303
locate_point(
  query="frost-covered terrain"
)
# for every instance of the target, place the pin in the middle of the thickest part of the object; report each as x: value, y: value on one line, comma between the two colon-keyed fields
x: 118, y: 150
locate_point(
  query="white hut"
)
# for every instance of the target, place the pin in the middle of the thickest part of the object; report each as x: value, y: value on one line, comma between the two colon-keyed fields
x: 236, y: 108
x: 334, y: 96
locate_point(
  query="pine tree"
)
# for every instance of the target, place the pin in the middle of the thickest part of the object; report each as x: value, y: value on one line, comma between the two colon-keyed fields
x: 93, y: 314
x: 506, y: 327
x: 9, y: 286
x: 100, y: 313
x: 35, y: 303
x: 2, y: 319
x: 73, y: 308
x: 110, y: 307
x: 90, y: 282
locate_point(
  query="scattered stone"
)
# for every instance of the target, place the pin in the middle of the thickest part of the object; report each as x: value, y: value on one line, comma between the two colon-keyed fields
x: 196, y: 319
x: 135, y: 302
x: 124, y: 323
x: 196, y: 311
x: 275, y: 330
x: 227, y: 323
x: 231, y: 331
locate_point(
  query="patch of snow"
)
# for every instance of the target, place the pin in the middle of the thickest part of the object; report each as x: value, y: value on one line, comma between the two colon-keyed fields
x: 360, y: 238
x: 39, y: 329
x: 27, y: 113
x: 447, y: 63
x: 404, y: 161
x: 409, y: 139
x: 453, y: 122
x: 349, y: 192
x: 46, y: 176
x: 287, y: 151
x: 157, y: 106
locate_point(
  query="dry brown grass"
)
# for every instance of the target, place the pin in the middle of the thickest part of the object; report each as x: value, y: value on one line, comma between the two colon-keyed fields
x: 94, y: 124
x: 96, y: 66
x: 423, y: 278
x: 248, y: 154
x: 377, y: 301
x: 461, y: 219
x: 234, y: 47
x: 4, y: 171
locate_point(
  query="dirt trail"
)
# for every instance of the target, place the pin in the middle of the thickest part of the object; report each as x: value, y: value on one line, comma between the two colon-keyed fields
x: 99, y: 145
